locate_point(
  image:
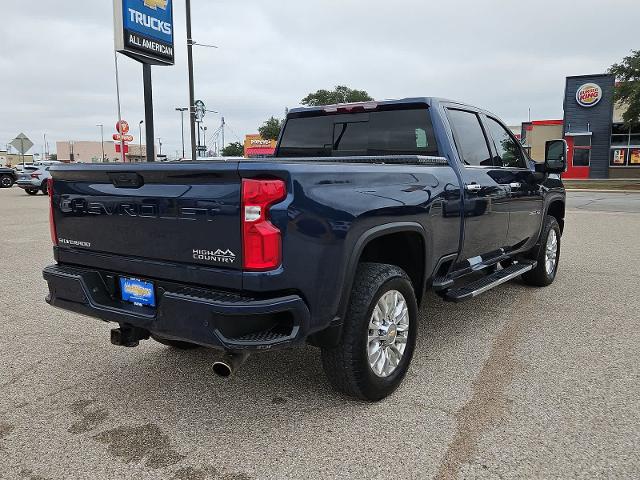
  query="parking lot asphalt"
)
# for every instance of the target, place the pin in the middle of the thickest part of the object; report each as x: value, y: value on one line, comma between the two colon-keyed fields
x: 519, y: 383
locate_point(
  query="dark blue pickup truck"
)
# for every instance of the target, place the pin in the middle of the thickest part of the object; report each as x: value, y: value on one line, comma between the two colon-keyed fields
x: 332, y: 242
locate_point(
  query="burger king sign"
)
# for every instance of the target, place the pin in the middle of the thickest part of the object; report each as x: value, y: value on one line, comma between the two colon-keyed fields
x: 588, y: 95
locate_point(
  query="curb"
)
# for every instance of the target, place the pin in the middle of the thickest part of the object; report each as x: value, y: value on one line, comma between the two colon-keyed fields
x: 600, y: 191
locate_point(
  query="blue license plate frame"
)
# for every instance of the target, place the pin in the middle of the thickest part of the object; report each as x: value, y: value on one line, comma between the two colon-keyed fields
x: 139, y: 292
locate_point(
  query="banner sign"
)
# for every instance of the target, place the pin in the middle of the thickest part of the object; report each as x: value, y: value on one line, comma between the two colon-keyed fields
x: 144, y: 30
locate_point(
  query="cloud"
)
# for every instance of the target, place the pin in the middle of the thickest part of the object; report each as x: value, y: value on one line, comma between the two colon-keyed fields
x: 57, y: 66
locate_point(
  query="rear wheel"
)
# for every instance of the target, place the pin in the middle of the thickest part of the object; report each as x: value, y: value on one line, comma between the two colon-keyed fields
x: 547, y: 254
x: 31, y: 191
x: 378, y: 337
x: 175, y: 343
x: 6, y: 181
x: 44, y: 188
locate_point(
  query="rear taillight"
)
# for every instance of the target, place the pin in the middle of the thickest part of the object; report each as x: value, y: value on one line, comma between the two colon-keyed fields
x: 35, y: 175
x: 261, y: 240
x: 52, y: 223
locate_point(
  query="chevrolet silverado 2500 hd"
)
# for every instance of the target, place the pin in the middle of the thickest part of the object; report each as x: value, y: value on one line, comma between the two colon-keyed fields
x: 332, y: 242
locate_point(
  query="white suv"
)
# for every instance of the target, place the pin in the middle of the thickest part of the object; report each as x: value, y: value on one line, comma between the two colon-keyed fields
x: 34, y: 179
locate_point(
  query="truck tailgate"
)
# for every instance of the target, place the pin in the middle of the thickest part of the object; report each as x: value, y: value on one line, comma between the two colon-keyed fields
x: 186, y: 213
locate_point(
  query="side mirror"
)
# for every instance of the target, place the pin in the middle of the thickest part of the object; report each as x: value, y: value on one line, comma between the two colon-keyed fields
x: 555, y: 156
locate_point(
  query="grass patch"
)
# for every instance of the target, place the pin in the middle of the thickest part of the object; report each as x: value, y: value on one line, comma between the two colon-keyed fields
x: 623, y: 184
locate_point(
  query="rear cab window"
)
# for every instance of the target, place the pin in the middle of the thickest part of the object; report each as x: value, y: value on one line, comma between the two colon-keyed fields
x: 402, y: 130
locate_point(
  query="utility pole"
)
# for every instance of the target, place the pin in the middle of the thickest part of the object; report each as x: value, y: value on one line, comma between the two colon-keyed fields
x: 182, y: 110
x: 160, y: 145
x: 192, y: 99
x: 101, y: 138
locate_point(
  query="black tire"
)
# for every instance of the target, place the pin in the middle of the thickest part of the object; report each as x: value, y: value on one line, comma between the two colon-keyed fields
x: 44, y: 189
x: 539, y: 277
x: 346, y: 364
x: 6, y: 181
x: 175, y: 343
x: 31, y: 191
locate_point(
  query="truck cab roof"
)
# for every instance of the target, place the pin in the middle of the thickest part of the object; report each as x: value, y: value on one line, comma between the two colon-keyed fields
x: 378, y: 104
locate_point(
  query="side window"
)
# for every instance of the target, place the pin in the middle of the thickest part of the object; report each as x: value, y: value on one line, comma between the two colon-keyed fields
x: 508, y: 151
x: 469, y: 137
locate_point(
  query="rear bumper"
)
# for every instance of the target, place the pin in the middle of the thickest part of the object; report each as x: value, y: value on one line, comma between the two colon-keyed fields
x: 29, y: 183
x: 203, y: 316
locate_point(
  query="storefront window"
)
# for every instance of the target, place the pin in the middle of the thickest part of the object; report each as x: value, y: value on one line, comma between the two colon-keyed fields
x: 582, y: 141
x: 581, y: 157
x: 618, y: 157
x: 581, y: 150
x: 619, y: 129
x: 619, y: 140
x: 621, y: 136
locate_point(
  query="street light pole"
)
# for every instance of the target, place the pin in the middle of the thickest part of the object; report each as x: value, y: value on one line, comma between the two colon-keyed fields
x: 101, y: 138
x: 160, y: 145
x: 192, y: 100
x: 140, y: 132
x: 182, y: 110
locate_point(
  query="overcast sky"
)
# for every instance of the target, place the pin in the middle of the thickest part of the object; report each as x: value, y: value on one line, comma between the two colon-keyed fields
x: 57, y: 69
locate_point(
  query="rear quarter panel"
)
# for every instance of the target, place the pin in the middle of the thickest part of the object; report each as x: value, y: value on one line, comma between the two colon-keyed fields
x: 331, y: 206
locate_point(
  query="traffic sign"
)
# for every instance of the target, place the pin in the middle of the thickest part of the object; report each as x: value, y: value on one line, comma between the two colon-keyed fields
x: 22, y: 143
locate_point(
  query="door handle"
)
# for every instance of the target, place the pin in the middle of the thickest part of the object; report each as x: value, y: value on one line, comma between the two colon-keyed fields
x: 473, y: 187
x: 515, y: 185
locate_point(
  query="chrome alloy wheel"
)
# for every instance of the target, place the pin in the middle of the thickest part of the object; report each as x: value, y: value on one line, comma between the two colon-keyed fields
x: 388, y: 333
x: 551, y: 253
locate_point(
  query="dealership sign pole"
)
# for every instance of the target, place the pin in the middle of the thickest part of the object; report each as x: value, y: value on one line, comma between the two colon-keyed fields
x: 144, y: 32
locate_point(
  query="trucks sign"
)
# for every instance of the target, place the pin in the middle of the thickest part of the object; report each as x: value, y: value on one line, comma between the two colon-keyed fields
x: 144, y: 30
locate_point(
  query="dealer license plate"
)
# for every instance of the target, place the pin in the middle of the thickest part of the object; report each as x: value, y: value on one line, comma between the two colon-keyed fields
x: 137, y: 292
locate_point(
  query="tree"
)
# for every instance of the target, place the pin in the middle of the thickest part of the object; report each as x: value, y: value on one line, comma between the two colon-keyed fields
x: 270, y: 129
x: 340, y: 94
x: 628, y: 89
x: 235, y: 149
x: 53, y: 157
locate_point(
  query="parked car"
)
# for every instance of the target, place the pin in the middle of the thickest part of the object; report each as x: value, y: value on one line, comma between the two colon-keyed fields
x: 333, y: 242
x: 8, y: 177
x: 33, y: 179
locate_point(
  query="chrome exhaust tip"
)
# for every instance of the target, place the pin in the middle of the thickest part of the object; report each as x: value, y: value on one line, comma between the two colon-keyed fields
x: 229, y: 364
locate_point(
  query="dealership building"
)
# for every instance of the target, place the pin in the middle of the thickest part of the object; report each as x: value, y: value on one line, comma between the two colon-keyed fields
x: 600, y: 146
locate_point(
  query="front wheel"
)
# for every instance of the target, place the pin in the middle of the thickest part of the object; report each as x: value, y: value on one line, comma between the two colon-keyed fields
x: 31, y: 191
x: 547, y: 254
x: 6, y: 181
x: 379, y: 334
